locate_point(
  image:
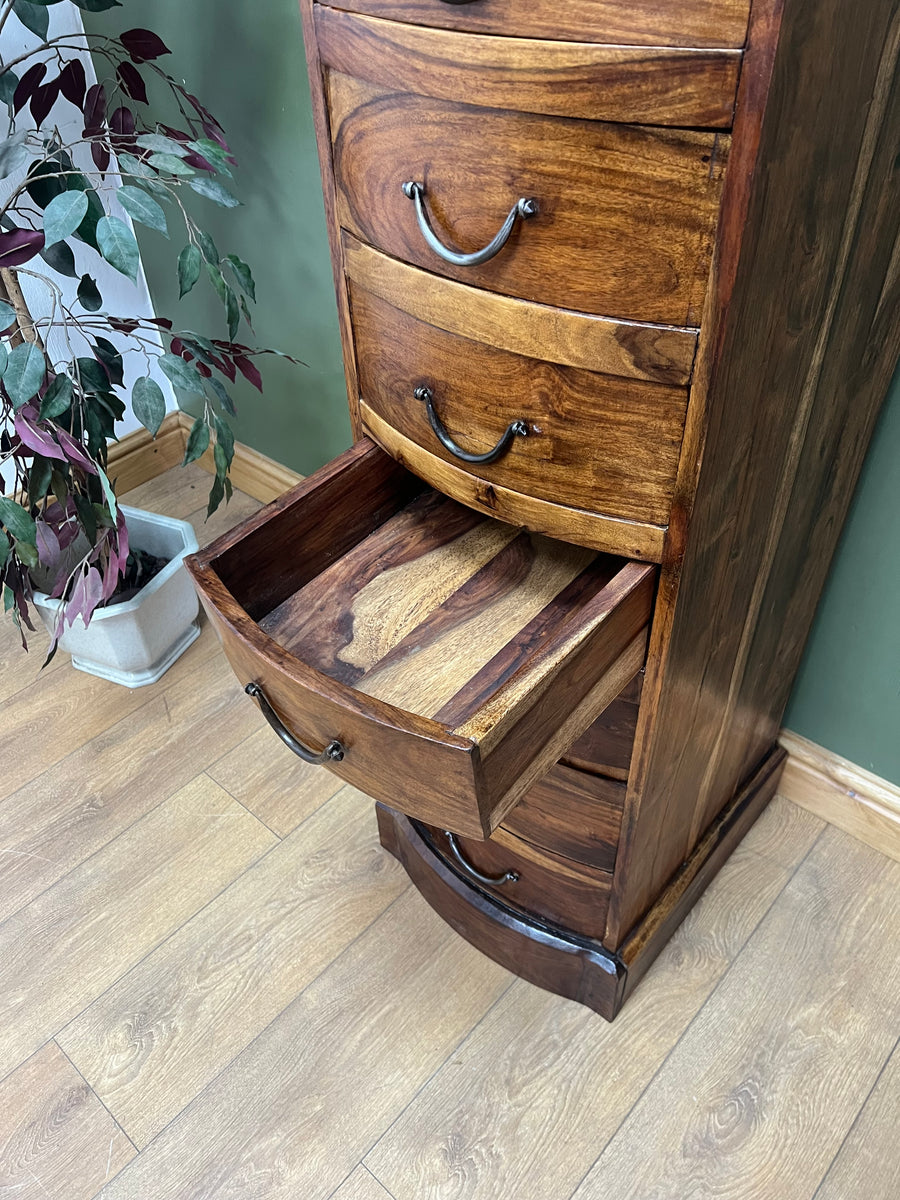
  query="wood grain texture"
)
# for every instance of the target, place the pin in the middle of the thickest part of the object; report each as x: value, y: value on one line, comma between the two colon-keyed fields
x: 526, y: 1105
x: 784, y: 438
x: 77, y: 937
x: 641, y: 22
x: 606, y: 747
x: 361, y: 1185
x: 632, y: 539
x: 338, y: 1064
x: 868, y: 1162
x: 436, y: 606
x: 572, y: 813
x: 71, y: 810
x: 270, y: 781
x: 841, y: 793
x: 651, y: 86
x: 626, y: 216
x: 595, y: 442
x: 803, y: 1057
x: 657, y: 353
x: 549, y: 886
x: 145, y: 1045
x: 56, y: 1138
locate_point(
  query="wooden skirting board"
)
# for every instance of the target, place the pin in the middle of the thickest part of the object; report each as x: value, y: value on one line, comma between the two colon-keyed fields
x: 831, y: 787
x: 138, y: 458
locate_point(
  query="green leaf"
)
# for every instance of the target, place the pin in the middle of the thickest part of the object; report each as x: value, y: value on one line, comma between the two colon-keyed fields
x: 108, y: 493
x: 39, y: 474
x: 59, y: 258
x: 220, y: 460
x: 92, y: 375
x: 148, y: 403
x: 14, y: 154
x: 222, y: 396
x: 161, y: 144
x: 24, y: 373
x: 141, y: 207
x: 27, y: 553
x: 207, y: 247
x: 246, y: 313
x: 7, y: 315
x: 243, y: 275
x: 97, y: 5
x: 216, y: 495
x: 4, y: 358
x: 63, y: 215
x: 188, y: 269
x: 129, y: 165
x: 33, y: 16
x: 213, y: 153
x: 9, y: 81
x: 9, y: 599
x: 118, y: 247
x: 57, y: 398
x: 4, y: 550
x: 213, y: 190
x: 168, y: 164
x: 225, y: 439
x: 19, y: 522
x: 217, y: 279
x: 198, y: 440
x: 89, y: 294
x: 232, y: 312
x: 182, y: 374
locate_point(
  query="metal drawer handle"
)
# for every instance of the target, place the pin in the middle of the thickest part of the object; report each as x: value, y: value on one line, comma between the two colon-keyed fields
x: 522, y: 208
x: 333, y: 752
x: 492, y: 880
x: 514, y: 429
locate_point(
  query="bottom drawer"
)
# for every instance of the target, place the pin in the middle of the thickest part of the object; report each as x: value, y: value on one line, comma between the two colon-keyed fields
x: 523, y: 876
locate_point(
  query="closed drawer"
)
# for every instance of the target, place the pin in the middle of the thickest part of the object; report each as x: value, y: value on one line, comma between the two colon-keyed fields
x: 625, y: 214
x: 564, y: 892
x: 573, y: 814
x: 600, y: 443
x: 623, y: 22
x: 446, y: 659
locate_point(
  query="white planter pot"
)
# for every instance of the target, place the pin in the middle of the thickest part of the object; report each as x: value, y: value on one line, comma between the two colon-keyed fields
x: 134, y: 643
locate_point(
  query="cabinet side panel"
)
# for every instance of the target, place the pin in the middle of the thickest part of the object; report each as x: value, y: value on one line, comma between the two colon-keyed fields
x: 765, y: 404
x: 323, y: 142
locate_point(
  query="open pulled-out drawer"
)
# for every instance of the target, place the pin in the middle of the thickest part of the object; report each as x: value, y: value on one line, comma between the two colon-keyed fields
x: 435, y: 658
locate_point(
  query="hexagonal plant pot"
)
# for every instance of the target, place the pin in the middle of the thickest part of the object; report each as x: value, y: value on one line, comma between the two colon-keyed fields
x: 135, y: 642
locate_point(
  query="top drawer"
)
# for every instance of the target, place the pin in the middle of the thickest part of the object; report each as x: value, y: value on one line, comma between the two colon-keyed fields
x: 632, y: 22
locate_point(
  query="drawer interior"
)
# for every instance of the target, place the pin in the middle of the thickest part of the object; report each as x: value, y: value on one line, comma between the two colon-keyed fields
x: 454, y: 656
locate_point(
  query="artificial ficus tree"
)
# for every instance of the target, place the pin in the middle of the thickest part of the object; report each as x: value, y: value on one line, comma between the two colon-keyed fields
x: 59, y: 520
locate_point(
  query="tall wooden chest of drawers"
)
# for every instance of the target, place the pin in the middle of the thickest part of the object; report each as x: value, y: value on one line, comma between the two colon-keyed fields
x: 618, y: 287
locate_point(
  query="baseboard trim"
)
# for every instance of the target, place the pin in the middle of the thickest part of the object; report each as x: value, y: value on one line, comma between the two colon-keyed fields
x: 138, y: 458
x: 841, y: 793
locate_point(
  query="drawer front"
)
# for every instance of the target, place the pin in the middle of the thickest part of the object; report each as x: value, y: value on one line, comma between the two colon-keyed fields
x: 594, y: 442
x: 572, y: 814
x: 625, y: 216
x: 451, y: 658
x: 564, y: 892
x: 635, y: 22
x: 661, y: 85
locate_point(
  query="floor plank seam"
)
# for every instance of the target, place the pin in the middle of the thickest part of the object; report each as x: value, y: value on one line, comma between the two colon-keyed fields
x: 695, y: 1017
x: 856, y: 1119
x: 370, y: 1172
x: 248, y: 809
x: 97, y: 1097
x: 456, y: 1049
x: 226, y: 1066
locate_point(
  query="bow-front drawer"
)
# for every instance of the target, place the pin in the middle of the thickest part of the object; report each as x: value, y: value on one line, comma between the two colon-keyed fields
x: 623, y: 22
x: 437, y: 659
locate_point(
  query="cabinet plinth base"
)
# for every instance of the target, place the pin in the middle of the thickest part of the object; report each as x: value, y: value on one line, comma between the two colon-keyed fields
x: 558, y: 959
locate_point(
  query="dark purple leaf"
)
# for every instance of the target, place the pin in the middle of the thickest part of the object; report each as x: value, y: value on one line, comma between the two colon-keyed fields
x: 162, y: 322
x: 72, y: 82
x: 132, y: 82
x: 94, y: 109
x: 26, y: 85
x: 75, y: 453
x: 198, y: 162
x: 143, y: 45
x: 122, y: 122
x: 214, y: 131
x: 86, y: 595
x: 177, y: 346
x: 123, y: 324
x: 204, y: 370
x: 32, y: 436
x: 101, y: 156
x: 47, y: 544
x: 42, y: 100
x: 19, y: 246
x: 249, y: 370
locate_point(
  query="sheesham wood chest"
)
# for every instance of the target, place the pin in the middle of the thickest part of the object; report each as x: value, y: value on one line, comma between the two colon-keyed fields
x: 618, y: 284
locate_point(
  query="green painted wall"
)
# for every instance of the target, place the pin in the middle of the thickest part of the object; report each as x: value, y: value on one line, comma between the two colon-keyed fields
x: 246, y: 61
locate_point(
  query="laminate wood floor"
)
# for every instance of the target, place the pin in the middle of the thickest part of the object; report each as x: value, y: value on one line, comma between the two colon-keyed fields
x: 213, y: 983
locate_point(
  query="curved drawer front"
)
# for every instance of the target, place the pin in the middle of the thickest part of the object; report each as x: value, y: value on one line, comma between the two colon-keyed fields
x: 593, y: 442
x: 560, y: 890
x: 450, y: 659
x: 637, y: 22
x: 625, y: 214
